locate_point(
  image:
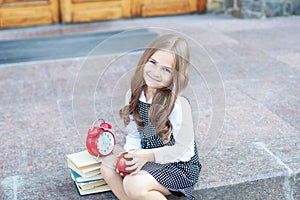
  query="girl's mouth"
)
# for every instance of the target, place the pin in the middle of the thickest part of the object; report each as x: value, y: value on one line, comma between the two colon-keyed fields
x: 152, y: 78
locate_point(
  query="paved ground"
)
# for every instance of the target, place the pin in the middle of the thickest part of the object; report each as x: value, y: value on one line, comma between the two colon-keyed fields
x: 244, y: 91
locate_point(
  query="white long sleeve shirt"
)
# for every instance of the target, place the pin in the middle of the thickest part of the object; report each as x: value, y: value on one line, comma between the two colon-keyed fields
x: 182, y: 129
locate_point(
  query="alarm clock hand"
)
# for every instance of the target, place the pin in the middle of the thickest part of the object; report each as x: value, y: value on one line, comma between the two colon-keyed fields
x: 105, y: 142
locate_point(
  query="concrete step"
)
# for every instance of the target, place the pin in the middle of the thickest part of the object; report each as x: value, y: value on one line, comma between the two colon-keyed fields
x: 47, y: 106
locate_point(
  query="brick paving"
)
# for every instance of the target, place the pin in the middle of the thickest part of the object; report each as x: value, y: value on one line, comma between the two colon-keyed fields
x: 244, y: 91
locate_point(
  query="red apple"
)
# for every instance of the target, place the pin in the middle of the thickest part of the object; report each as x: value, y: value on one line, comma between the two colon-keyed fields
x: 121, y: 164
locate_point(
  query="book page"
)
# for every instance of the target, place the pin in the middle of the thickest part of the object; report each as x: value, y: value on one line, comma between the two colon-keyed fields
x: 83, y: 159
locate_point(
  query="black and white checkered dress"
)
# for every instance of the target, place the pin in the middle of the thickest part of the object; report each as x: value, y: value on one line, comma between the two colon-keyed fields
x: 178, y: 177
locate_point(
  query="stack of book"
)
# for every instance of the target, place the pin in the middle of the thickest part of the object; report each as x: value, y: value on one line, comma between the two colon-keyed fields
x: 85, y: 172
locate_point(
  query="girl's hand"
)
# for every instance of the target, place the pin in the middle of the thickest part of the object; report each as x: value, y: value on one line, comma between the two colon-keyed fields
x: 139, y: 158
x: 116, y: 167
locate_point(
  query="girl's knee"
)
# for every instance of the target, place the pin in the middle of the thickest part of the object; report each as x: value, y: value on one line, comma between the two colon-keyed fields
x: 133, y: 188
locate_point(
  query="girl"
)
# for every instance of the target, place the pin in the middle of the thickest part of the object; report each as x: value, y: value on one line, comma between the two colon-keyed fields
x: 160, y: 142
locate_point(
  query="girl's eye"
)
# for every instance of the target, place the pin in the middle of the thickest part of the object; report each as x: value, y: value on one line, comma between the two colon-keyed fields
x: 152, y: 61
x: 166, y: 69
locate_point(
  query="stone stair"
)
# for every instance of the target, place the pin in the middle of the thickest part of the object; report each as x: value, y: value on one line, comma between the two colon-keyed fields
x: 47, y: 106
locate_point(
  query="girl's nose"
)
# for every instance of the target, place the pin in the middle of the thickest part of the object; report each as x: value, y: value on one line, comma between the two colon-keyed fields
x: 157, y: 71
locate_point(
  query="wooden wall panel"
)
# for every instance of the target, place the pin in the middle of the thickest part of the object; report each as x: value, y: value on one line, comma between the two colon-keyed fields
x: 94, y: 10
x: 17, y: 13
x: 145, y: 8
x: 25, y: 2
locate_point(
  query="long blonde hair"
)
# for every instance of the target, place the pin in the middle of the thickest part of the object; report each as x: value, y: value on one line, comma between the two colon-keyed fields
x: 164, y: 99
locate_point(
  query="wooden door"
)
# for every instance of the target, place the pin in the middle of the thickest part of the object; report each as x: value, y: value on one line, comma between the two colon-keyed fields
x: 94, y: 10
x: 16, y: 13
x: 201, y: 8
x: 145, y: 8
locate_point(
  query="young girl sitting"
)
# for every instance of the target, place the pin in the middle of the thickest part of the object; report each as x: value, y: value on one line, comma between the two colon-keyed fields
x: 160, y: 140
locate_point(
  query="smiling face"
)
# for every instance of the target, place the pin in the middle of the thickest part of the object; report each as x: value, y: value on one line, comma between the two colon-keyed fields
x: 158, y: 71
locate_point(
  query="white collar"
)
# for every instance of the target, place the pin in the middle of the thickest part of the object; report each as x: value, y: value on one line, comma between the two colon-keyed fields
x: 142, y: 98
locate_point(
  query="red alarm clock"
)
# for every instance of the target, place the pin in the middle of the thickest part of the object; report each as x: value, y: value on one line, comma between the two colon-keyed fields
x: 100, y: 141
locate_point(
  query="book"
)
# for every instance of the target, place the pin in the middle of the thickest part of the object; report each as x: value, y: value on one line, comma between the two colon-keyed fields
x: 89, y: 184
x: 80, y: 179
x: 82, y: 173
x: 83, y: 159
x: 102, y: 188
x: 84, y: 164
x: 86, y: 174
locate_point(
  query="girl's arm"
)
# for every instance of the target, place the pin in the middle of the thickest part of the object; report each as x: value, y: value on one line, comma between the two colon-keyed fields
x: 133, y: 139
x: 183, y: 132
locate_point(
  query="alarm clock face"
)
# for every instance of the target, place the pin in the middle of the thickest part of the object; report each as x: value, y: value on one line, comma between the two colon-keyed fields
x: 106, y: 143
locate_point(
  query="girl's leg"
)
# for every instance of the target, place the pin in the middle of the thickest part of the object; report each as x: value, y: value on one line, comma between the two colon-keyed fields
x: 144, y: 186
x: 112, y: 178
